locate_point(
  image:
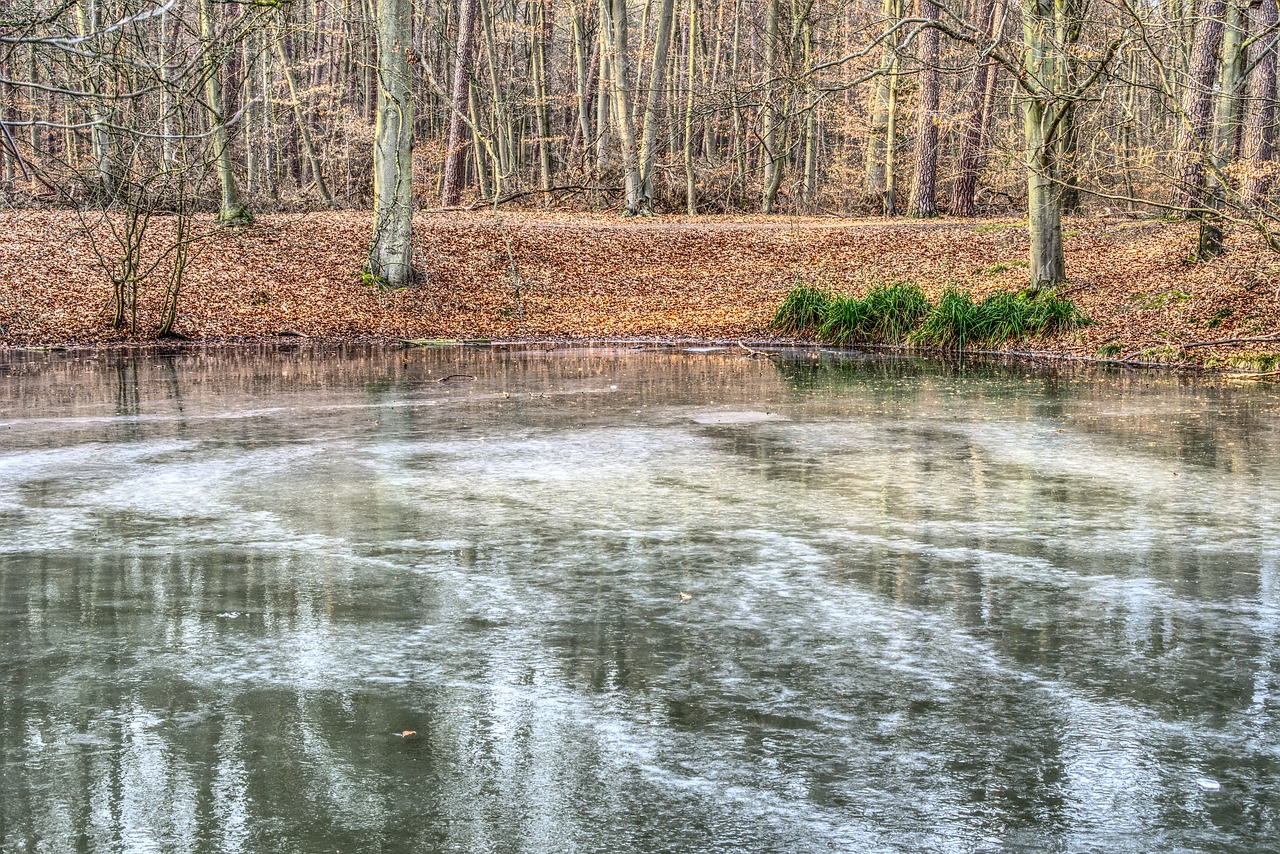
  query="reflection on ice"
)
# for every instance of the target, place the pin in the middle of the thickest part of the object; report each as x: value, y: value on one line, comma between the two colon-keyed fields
x: 926, y: 608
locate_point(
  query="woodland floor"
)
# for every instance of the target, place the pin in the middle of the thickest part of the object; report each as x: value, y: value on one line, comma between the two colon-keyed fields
x: 585, y: 276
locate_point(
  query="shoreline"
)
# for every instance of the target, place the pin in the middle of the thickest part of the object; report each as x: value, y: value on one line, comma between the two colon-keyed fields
x: 763, y: 346
x: 581, y: 278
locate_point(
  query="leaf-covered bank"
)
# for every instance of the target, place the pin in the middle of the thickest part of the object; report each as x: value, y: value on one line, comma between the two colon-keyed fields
x: 580, y: 276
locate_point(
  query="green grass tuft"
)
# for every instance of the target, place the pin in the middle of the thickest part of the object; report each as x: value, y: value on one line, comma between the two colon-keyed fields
x: 848, y: 320
x: 805, y: 308
x: 901, y: 312
x: 896, y: 310
x: 953, y: 323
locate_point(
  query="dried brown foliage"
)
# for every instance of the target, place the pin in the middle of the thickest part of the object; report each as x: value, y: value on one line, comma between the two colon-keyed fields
x: 595, y: 276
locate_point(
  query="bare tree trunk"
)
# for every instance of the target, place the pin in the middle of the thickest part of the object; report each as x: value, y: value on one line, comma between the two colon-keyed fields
x: 391, y: 250
x: 456, y: 155
x: 770, y: 156
x: 690, y: 185
x: 880, y: 140
x: 540, y: 37
x: 1044, y: 200
x: 922, y: 202
x: 614, y: 17
x: 1224, y: 127
x: 1197, y: 104
x: 304, y: 130
x: 1260, y: 113
x: 99, y: 135
x: 231, y: 211
x: 657, y: 85
x: 976, y: 113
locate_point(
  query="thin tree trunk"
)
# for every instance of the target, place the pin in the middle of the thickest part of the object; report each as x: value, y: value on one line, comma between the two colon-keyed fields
x: 391, y: 249
x: 304, y: 130
x: 770, y: 156
x: 459, y: 134
x: 883, y: 113
x: 657, y: 84
x: 540, y: 37
x: 690, y: 185
x: 1260, y: 114
x: 231, y: 211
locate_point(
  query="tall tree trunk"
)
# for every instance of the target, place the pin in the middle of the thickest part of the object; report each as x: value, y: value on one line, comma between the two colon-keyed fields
x: 456, y: 155
x: 657, y: 86
x: 880, y: 139
x: 391, y: 250
x: 304, y: 125
x: 922, y: 202
x: 231, y: 211
x: 1044, y: 198
x: 1224, y: 127
x: 1258, y: 147
x: 614, y: 17
x: 104, y: 182
x: 1197, y: 105
x: 540, y: 38
x: 770, y: 156
x: 690, y: 185
x: 582, y: 64
x: 976, y: 117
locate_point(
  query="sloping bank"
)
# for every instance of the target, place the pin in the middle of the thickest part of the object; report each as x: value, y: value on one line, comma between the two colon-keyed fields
x: 575, y: 276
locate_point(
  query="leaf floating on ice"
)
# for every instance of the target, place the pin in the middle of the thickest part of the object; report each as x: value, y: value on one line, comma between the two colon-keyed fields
x: 684, y: 597
x: 409, y: 733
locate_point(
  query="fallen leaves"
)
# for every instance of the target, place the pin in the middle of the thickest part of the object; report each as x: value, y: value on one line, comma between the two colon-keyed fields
x: 595, y: 276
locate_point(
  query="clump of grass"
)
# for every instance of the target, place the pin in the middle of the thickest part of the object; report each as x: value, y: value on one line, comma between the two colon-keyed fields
x: 805, y: 308
x: 896, y: 309
x: 1003, y: 317
x: 1110, y: 350
x: 846, y: 321
x: 1051, y: 313
x: 901, y: 312
x: 953, y: 323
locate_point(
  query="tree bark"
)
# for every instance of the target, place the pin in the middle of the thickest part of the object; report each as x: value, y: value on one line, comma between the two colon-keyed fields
x: 231, y: 211
x: 880, y: 140
x: 615, y: 18
x: 1258, y: 148
x: 459, y: 134
x: 1224, y: 127
x: 923, y: 203
x: 1197, y: 105
x: 1044, y: 198
x: 657, y: 86
x: 391, y: 250
x: 976, y: 117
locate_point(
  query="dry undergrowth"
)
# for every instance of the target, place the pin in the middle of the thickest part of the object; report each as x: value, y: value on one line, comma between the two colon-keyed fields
x: 596, y: 276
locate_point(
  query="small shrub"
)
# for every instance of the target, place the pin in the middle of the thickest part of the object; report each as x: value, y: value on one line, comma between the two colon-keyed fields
x: 804, y: 309
x: 1110, y: 350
